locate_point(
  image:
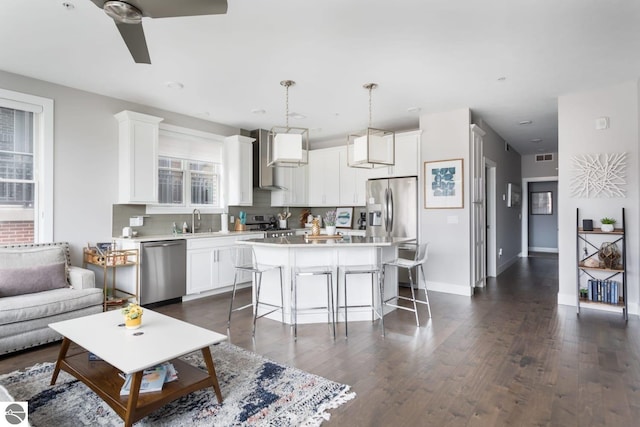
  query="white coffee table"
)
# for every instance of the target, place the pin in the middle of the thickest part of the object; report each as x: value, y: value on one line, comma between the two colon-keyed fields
x: 159, y: 339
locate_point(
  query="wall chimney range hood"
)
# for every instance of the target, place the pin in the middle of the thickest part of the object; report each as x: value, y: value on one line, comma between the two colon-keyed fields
x: 263, y: 175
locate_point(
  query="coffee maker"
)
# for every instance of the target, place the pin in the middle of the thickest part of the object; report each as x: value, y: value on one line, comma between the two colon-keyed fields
x: 362, y: 222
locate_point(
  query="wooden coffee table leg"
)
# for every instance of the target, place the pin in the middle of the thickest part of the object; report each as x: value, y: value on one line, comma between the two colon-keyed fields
x: 132, y: 404
x: 206, y: 354
x: 61, y: 355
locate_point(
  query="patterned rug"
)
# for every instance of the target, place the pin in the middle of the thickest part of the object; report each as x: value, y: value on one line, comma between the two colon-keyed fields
x: 256, y: 392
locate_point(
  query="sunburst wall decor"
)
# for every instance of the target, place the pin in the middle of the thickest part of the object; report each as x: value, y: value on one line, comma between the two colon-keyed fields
x: 599, y: 175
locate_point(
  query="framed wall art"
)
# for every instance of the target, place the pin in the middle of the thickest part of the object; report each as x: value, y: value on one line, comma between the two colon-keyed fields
x: 541, y: 203
x: 444, y: 184
x: 344, y: 217
x: 514, y: 195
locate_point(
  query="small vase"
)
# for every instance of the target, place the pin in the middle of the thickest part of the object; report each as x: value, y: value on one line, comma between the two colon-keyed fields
x: 331, y: 230
x: 315, y: 228
x: 133, y: 323
x: 607, y: 228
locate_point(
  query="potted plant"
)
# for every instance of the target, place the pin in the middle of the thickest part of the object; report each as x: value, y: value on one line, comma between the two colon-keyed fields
x: 606, y: 224
x: 132, y: 316
x: 330, y: 222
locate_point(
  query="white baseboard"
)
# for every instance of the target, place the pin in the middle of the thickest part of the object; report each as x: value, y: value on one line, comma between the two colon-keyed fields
x: 547, y: 250
x: 501, y: 268
x: 449, y: 288
x: 570, y: 300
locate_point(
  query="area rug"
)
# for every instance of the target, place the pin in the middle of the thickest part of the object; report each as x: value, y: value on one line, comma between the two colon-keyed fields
x: 256, y: 392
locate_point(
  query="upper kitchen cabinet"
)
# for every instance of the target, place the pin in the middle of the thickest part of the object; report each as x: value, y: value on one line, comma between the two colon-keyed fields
x: 138, y: 158
x: 238, y: 166
x: 352, y: 182
x: 407, y: 157
x: 294, y: 186
x: 324, y: 177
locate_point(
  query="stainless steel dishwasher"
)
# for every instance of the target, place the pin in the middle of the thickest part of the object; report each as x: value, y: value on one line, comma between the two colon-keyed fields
x: 163, y: 271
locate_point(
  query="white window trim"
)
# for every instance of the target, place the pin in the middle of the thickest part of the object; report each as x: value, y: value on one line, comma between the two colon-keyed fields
x: 188, y: 208
x: 44, y: 144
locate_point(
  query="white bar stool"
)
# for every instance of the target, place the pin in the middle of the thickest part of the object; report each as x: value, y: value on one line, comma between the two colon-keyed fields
x: 307, y: 272
x: 245, y: 261
x: 420, y: 258
x: 375, y: 272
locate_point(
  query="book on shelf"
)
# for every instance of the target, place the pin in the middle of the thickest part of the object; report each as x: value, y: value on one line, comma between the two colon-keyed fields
x: 606, y: 291
x: 153, y: 379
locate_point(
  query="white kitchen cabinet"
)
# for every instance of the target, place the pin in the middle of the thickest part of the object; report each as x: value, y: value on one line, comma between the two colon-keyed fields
x: 210, y: 263
x: 353, y: 182
x: 238, y: 168
x: 294, y: 181
x: 407, y: 157
x: 137, y: 158
x: 324, y: 177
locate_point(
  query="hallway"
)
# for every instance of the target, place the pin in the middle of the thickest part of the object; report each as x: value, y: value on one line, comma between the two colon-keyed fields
x: 508, y: 356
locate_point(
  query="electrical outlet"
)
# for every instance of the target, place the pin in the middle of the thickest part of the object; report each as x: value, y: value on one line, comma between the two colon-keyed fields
x: 232, y: 219
x: 500, y: 252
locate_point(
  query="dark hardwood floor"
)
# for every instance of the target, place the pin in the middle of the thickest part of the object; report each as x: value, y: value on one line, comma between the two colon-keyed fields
x: 507, y: 356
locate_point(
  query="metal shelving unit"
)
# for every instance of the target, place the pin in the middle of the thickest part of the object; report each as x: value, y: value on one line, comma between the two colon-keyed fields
x: 587, y: 247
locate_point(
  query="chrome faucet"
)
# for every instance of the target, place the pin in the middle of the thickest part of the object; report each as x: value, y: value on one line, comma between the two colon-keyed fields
x: 194, y: 227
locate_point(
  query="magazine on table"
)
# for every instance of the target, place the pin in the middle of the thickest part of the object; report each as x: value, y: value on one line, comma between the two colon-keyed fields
x: 152, y: 379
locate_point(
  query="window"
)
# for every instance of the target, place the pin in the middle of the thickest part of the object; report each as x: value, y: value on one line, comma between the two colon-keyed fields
x: 26, y: 168
x: 197, y: 179
x: 189, y: 169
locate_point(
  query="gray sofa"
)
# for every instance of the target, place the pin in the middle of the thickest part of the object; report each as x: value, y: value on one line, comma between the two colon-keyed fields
x: 38, y: 286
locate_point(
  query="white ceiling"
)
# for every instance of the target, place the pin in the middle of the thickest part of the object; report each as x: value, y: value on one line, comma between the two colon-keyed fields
x: 437, y: 55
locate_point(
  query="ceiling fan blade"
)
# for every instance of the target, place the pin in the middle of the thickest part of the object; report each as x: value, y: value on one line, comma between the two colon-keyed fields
x: 173, y: 8
x: 133, y: 36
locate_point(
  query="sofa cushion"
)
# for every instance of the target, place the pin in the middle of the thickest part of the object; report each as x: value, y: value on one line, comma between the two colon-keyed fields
x: 45, y: 304
x: 31, y: 255
x: 19, y: 281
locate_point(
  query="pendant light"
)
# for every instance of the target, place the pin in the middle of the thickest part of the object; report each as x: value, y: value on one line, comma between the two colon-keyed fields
x: 287, y: 146
x: 371, y: 147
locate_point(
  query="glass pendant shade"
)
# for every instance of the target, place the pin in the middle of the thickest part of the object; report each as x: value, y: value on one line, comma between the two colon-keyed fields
x: 371, y: 148
x: 288, y: 147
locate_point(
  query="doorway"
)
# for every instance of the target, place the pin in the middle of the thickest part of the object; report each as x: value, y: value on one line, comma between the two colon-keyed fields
x: 547, y: 228
x: 491, y: 257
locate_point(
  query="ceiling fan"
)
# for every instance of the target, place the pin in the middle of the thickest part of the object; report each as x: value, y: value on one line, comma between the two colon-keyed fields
x: 128, y: 18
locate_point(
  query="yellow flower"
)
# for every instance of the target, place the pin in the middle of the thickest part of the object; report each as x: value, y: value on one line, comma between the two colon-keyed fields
x: 132, y: 311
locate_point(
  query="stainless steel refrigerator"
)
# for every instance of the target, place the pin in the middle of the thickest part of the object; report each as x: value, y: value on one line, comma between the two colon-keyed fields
x: 392, y: 211
x: 392, y: 207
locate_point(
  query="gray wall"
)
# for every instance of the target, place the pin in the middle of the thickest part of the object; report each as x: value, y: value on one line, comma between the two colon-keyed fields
x: 86, y: 156
x: 508, y: 220
x: 533, y: 169
x: 543, y: 229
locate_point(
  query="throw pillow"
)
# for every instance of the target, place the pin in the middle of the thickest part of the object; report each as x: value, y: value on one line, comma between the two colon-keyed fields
x: 19, y: 281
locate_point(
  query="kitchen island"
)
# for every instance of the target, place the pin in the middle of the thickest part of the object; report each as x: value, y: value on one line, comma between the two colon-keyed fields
x: 298, y: 251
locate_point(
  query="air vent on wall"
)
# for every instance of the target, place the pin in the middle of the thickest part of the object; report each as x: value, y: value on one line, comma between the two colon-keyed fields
x: 544, y: 157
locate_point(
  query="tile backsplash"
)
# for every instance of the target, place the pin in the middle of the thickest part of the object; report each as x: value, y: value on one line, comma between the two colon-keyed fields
x: 161, y: 224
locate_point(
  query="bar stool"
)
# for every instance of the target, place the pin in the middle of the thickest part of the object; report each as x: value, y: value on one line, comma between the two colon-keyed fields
x: 419, y: 259
x: 375, y: 272
x: 245, y: 261
x: 309, y: 272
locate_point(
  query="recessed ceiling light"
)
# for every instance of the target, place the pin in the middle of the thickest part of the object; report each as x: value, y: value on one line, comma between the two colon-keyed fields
x: 525, y: 122
x: 297, y: 116
x: 68, y: 6
x: 502, y: 78
x: 174, y: 85
x: 413, y: 109
x: 258, y: 111
x: 536, y: 140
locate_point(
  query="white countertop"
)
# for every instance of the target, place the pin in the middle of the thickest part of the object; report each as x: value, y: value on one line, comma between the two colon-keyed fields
x: 179, y: 236
x: 345, y: 241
